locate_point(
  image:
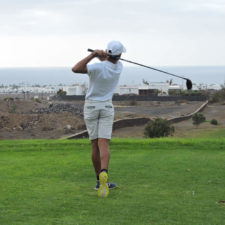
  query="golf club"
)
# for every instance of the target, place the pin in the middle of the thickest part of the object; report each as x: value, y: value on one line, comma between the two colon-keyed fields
x: 188, y: 81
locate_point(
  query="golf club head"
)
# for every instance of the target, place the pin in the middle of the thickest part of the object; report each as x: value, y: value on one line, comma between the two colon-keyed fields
x: 189, y: 84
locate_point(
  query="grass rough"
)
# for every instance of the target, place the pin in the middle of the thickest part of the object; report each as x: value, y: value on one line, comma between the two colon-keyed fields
x: 163, y: 181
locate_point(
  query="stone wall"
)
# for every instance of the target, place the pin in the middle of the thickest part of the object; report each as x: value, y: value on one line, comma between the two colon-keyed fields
x: 137, y: 98
x: 75, y: 109
x: 182, y: 118
x: 130, y: 122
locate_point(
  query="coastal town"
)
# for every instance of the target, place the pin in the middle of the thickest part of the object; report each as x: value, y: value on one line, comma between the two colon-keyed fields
x: 147, y: 89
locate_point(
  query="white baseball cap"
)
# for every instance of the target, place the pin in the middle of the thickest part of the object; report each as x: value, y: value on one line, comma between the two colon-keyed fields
x: 115, y: 48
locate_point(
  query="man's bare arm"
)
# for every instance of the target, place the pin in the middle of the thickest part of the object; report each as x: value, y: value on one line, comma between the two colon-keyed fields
x: 81, y: 67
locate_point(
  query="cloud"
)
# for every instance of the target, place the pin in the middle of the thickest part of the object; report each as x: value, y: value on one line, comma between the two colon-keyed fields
x: 40, y: 16
x: 118, y: 16
x: 88, y: 16
x: 217, y: 7
x: 160, y: 30
x: 204, y: 6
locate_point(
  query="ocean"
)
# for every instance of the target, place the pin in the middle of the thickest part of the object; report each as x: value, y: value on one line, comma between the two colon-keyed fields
x: 130, y: 75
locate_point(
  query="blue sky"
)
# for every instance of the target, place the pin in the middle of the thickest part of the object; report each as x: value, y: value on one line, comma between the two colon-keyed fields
x: 157, y: 33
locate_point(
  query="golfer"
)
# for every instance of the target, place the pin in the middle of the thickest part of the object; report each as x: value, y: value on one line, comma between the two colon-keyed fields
x: 98, y: 107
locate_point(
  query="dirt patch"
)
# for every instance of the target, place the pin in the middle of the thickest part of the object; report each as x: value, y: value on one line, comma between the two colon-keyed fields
x: 13, y: 105
x: 30, y: 119
x: 221, y: 202
x: 165, y: 110
x: 25, y: 126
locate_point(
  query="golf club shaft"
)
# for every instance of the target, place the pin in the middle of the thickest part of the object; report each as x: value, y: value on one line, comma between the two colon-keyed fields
x: 125, y: 60
x: 149, y: 67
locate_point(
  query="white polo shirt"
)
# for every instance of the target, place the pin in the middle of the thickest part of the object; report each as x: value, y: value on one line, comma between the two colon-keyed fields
x: 103, y: 80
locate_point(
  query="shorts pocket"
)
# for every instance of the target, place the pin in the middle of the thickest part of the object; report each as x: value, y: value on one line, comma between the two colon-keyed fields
x: 90, y: 112
x: 108, y: 106
x: 90, y: 107
x: 108, y: 111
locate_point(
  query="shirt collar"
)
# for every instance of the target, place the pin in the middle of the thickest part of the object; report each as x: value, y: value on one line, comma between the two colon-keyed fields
x: 110, y: 64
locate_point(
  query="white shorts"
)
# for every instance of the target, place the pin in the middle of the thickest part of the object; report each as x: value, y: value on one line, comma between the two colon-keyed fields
x: 98, y: 117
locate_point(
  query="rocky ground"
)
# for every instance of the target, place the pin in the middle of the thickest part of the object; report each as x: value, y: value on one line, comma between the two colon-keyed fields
x: 153, y: 109
x: 21, y: 119
x: 26, y: 119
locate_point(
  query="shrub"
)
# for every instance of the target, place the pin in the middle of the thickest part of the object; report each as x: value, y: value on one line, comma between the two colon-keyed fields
x: 214, y: 122
x: 218, y: 96
x: 132, y: 102
x: 60, y: 92
x: 37, y: 100
x: 47, y: 128
x: 8, y: 99
x: 198, y: 118
x: 12, y: 108
x: 158, y: 128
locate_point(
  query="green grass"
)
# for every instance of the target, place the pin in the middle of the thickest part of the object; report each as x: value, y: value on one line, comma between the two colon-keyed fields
x: 161, y: 182
x: 201, y: 133
x: 214, y: 133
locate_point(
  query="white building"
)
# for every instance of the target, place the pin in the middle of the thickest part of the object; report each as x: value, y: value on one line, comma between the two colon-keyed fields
x: 162, y: 88
x: 123, y: 90
x: 175, y: 87
x: 214, y: 86
x: 75, y: 89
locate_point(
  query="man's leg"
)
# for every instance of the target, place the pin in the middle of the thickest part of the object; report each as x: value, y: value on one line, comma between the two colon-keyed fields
x: 96, y: 157
x: 97, y: 164
x: 103, y: 145
x: 104, y: 135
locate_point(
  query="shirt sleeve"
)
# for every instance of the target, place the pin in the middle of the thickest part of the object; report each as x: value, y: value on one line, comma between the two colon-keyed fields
x: 92, y: 69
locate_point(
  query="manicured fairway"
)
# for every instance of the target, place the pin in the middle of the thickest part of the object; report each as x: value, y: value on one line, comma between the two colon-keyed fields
x: 161, y: 182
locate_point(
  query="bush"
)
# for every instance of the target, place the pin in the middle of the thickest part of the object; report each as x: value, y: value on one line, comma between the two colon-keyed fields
x: 60, y: 92
x: 158, y: 128
x: 198, y: 118
x: 8, y: 99
x: 218, y: 96
x: 37, y: 100
x: 132, y: 102
x: 214, y: 122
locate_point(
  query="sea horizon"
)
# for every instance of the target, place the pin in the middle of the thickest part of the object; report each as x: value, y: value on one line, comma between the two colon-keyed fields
x: 132, y: 75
